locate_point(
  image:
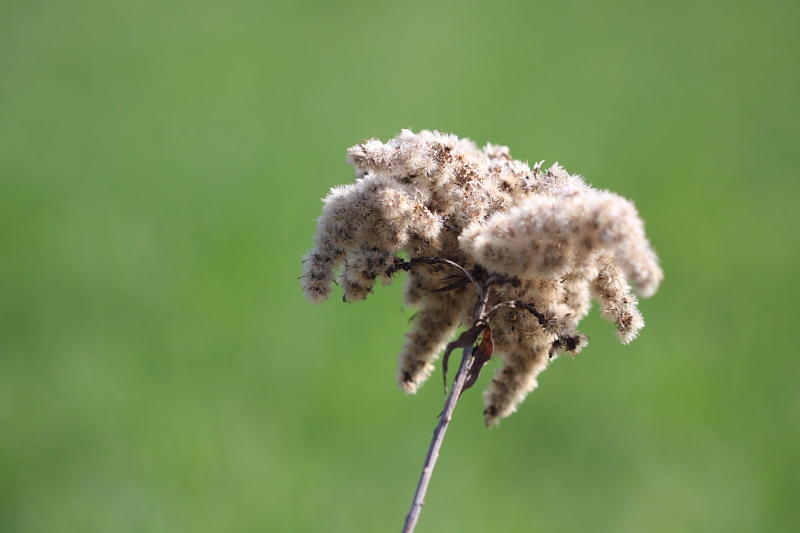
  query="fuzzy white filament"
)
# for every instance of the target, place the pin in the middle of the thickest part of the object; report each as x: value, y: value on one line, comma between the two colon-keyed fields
x: 434, y: 195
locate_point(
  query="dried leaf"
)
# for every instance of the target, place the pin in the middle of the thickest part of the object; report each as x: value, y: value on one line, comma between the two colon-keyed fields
x: 468, y: 338
x: 480, y: 357
x: 461, y: 281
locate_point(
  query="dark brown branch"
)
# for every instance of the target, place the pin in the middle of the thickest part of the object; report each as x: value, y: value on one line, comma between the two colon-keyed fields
x: 436, y: 442
x: 409, y: 265
x: 467, y: 342
x: 544, y: 321
x: 472, y: 361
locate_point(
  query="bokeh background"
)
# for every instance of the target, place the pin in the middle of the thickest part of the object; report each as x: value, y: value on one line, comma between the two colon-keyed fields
x: 161, y: 165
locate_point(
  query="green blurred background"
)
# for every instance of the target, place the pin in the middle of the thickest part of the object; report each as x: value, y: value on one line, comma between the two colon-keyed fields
x: 161, y: 165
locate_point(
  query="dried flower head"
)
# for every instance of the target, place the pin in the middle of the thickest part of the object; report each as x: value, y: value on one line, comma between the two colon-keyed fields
x: 432, y: 195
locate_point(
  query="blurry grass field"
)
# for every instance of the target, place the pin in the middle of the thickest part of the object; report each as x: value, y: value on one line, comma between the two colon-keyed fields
x: 161, y: 165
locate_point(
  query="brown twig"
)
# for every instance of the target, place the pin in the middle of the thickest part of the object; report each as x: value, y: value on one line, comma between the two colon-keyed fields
x: 467, y: 342
x: 436, y: 442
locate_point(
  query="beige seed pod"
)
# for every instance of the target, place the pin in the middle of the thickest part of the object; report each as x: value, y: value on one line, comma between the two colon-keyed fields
x: 435, y: 195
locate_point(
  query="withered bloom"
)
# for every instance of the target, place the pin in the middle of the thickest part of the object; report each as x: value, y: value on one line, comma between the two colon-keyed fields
x: 431, y: 195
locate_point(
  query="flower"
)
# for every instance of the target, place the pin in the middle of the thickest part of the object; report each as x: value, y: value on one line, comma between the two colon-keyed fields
x: 432, y: 195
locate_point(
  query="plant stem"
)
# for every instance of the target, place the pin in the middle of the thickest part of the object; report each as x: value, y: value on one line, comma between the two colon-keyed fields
x: 467, y: 341
x: 436, y: 442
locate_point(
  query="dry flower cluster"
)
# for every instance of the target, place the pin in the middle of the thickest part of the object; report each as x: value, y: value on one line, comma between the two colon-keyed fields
x: 558, y: 241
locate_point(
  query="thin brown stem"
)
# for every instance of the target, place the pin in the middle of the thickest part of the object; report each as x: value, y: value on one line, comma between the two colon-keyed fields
x: 436, y: 442
x: 480, y: 319
x: 408, y: 265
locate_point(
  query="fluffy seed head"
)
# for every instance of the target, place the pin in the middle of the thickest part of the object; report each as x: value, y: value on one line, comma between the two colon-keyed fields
x: 435, y: 195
